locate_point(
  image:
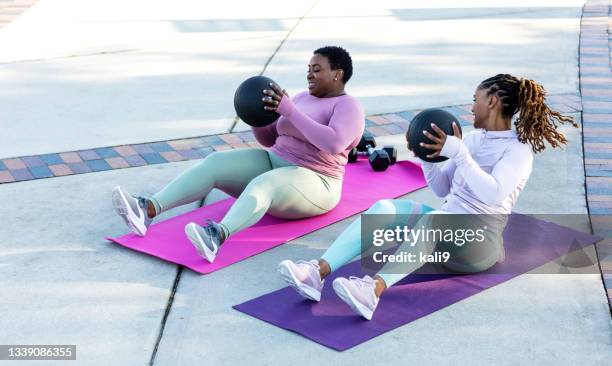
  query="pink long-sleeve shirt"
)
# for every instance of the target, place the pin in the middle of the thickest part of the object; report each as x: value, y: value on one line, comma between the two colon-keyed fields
x: 315, y: 133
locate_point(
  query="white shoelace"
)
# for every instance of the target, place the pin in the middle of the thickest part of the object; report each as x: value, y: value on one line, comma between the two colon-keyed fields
x: 367, y: 281
x: 309, y: 263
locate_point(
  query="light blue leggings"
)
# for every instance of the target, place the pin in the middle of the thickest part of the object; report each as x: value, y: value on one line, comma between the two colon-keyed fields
x: 347, y: 245
x: 260, y: 180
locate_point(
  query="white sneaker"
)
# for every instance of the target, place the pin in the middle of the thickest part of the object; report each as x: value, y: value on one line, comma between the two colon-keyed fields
x: 132, y: 210
x: 303, y: 276
x: 358, y: 293
x: 206, y: 239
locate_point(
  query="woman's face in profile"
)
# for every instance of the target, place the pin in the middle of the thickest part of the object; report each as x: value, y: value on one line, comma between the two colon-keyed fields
x: 320, y: 76
x: 480, y: 108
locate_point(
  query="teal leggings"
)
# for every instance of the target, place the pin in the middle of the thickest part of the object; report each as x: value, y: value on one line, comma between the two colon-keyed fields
x: 261, y: 181
x: 347, y: 245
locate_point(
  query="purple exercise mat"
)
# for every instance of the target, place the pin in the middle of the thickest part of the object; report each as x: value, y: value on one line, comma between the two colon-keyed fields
x: 529, y: 243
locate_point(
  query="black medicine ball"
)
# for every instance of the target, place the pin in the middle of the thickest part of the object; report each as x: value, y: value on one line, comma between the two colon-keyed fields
x: 248, y: 103
x: 423, y: 121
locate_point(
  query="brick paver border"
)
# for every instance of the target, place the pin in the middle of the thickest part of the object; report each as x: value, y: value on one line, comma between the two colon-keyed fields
x: 596, y: 90
x: 11, y: 9
x: 60, y: 164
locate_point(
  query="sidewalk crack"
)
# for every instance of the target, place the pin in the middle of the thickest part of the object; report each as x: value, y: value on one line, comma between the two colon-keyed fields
x: 177, y: 278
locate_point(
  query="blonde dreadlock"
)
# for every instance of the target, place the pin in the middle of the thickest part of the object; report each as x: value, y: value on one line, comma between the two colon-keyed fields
x: 536, y: 121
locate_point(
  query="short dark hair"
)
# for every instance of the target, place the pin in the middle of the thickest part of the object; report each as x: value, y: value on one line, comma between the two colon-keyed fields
x: 338, y: 58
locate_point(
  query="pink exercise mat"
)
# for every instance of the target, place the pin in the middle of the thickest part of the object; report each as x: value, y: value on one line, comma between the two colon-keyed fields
x: 362, y: 187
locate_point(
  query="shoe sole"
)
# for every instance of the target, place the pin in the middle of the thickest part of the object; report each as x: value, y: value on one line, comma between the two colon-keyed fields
x: 306, y: 291
x: 346, y: 296
x: 123, y: 209
x: 197, y: 241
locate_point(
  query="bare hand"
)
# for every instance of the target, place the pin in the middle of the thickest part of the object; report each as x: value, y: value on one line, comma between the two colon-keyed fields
x: 438, y: 140
x: 273, y: 97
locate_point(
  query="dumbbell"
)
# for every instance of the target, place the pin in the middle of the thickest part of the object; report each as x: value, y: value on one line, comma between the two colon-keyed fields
x: 366, y: 139
x: 379, y: 159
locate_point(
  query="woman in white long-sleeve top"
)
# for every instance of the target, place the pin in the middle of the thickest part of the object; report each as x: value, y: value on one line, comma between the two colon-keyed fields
x: 486, y: 171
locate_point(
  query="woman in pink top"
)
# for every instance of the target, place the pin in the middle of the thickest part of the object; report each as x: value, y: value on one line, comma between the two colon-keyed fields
x: 299, y: 176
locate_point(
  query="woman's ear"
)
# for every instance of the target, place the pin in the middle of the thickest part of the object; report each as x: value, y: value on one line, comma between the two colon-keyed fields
x: 493, y: 100
x: 339, y: 74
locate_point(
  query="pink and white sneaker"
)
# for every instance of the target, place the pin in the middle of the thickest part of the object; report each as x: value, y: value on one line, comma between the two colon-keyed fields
x: 303, y: 276
x: 358, y: 293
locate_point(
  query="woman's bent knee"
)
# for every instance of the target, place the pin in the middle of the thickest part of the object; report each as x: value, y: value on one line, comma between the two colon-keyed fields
x: 385, y: 206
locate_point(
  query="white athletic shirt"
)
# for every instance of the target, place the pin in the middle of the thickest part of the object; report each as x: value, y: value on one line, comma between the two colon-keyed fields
x: 484, y: 174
